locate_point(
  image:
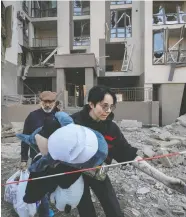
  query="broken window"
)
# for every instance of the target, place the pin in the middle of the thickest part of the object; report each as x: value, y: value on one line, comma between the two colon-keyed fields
x: 81, y: 32
x: 169, y: 12
x: 158, y: 42
x: 121, y: 26
x: 120, y: 2
x: 81, y: 7
x: 44, y: 8
x: 169, y: 46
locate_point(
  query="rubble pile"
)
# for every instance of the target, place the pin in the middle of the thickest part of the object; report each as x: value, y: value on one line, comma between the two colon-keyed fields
x: 139, y: 195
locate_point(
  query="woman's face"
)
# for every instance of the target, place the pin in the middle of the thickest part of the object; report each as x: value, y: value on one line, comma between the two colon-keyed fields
x: 102, y: 109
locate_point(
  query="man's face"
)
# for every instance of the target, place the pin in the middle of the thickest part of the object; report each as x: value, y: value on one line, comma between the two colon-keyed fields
x: 102, y: 109
x: 47, y: 105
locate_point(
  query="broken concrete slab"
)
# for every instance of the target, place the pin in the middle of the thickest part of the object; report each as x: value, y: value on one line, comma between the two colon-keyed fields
x: 164, y: 161
x: 147, y: 150
x: 153, y: 142
x: 180, y: 138
x: 165, y: 136
x: 182, y: 120
x: 131, y: 212
x: 143, y: 190
x: 173, y: 142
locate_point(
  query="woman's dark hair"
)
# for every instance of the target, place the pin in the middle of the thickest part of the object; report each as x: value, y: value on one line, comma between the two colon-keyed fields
x: 97, y: 94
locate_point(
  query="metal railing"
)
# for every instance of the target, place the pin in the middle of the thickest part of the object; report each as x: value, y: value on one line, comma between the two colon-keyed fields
x: 120, y: 2
x: 81, y: 12
x: 174, y: 56
x: 38, y: 13
x: 133, y: 94
x: 169, y: 18
x: 45, y: 42
x: 21, y: 99
x: 121, y: 32
x: 81, y: 41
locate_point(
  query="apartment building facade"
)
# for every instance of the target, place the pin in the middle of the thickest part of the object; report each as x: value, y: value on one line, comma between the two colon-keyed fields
x: 72, y: 45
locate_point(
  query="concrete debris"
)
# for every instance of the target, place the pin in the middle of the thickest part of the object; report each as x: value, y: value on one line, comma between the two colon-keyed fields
x: 147, y: 150
x: 139, y: 195
x: 182, y: 120
x: 128, y: 212
x: 143, y: 190
x: 164, y: 161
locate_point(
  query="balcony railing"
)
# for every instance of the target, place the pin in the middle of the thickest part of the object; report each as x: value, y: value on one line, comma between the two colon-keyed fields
x: 21, y: 99
x: 37, y: 13
x: 80, y: 12
x: 45, y: 42
x: 133, y: 94
x: 81, y: 41
x: 121, y: 32
x: 174, y: 56
x: 169, y: 19
x: 120, y: 2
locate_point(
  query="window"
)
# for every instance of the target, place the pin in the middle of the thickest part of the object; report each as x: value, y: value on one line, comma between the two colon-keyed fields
x: 81, y: 7
x: 121, y: 23
x: 171, y: 12
x: 44, y: 8
x: 82, y: 32
x: 120, y: 2
x: 169, y: 46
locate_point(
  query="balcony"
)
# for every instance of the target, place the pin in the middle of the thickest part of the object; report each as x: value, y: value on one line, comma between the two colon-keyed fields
x: 37, y: 13
x: 120, y: 2
x: 44, y: 42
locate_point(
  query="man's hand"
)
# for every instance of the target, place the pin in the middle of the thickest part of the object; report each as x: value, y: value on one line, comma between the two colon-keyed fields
x: 23, y: 166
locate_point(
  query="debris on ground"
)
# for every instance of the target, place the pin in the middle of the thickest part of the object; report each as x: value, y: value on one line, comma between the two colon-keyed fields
x: 139, y: 195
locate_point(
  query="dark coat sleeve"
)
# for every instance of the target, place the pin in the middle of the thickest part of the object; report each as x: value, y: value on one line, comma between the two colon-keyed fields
x: 122, y: 150
x: 26, y: 130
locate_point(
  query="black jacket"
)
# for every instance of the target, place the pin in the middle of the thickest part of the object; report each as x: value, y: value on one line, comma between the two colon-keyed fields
x: 119, y: 148
x: 34, y: 120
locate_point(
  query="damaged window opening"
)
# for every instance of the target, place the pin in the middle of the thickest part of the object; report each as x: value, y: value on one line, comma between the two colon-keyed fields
x: 121, y: 23
x: 25, y: 6
x: 82, y: 33
x: 81, y: 7
x: 167, y: 13
x: 158, y: 49
x: 39, y: 57
x: 169, y: 46
x: 44, y: 9
x: 120, y: 2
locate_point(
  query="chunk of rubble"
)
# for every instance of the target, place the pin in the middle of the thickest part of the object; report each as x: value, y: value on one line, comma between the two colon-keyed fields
x: 131, y: 212
x: 130, y: 124
x: 153, y: 142
x: 182, y: 120
x: 147, y: 150
x: 164, y: 161
x: 143, y: 190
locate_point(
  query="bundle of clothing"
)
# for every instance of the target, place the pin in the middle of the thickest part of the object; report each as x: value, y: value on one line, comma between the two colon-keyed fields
x: 69, y: 147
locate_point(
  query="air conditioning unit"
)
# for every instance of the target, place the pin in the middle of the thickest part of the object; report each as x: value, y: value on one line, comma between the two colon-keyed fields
x: 21, y: 15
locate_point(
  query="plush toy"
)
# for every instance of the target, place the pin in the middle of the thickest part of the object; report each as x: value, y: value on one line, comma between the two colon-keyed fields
x: 68, y: 147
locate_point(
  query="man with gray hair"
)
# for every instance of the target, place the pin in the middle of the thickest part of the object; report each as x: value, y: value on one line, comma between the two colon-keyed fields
x: 35, y: 120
